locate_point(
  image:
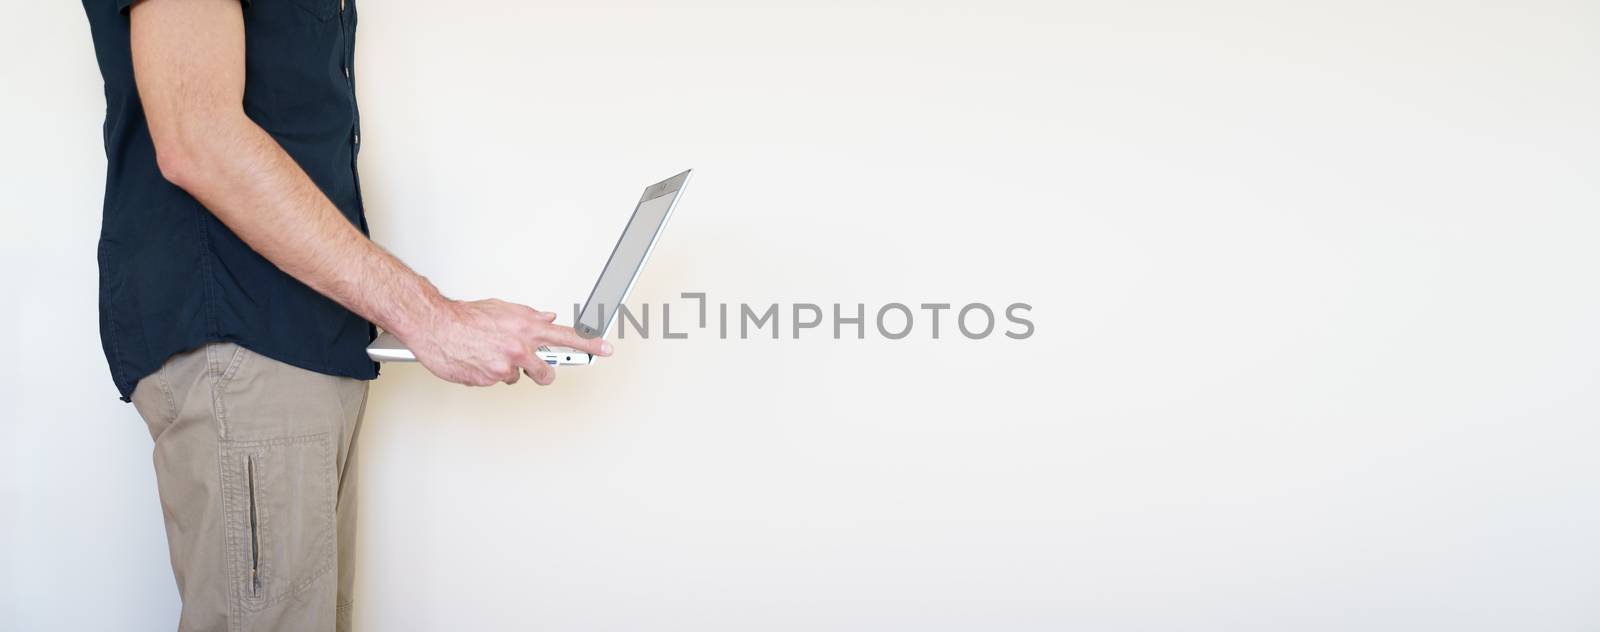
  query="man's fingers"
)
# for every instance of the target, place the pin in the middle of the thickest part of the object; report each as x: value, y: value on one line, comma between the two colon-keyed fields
x: 566, y: 337
x: 540, y: 371
x: 542, y: 315
x: 516, y: 374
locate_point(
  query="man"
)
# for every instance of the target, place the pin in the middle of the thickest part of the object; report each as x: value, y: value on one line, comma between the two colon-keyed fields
x: 237, y: 286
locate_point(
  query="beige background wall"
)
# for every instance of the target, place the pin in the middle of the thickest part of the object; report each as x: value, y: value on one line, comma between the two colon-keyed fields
x: 1314, y: 285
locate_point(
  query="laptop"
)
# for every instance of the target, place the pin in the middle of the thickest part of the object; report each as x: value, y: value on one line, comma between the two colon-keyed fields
x: 610, y: 290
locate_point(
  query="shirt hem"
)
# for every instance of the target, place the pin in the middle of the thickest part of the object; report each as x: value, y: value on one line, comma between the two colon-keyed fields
x: 126, y: 389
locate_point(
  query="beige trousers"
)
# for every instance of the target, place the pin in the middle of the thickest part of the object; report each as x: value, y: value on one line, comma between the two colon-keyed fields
x: 256, y: 464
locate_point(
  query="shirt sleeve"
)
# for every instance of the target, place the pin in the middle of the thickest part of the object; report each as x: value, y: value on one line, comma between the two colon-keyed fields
x: 124, y: 5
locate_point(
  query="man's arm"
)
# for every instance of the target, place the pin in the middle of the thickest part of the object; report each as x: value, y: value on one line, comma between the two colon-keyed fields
x: 188, y: 60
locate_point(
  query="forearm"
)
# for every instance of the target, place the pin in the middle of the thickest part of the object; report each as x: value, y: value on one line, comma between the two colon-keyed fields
x: 249, y: 182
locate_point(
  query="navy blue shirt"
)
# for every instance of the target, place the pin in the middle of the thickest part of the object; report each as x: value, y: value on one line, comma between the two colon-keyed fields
x: 172, y: 276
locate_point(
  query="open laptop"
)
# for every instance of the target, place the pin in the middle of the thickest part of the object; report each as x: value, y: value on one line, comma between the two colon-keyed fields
x: 610, y: 290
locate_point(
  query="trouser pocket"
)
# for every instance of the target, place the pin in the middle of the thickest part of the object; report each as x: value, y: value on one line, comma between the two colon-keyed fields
x: 279, y: 498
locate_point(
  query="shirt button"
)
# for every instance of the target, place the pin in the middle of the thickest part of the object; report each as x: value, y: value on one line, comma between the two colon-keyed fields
x: 346, y: 73
x: 358, y: 139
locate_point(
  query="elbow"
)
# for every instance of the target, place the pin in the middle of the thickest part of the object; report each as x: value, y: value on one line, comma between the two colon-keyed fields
x: 186, y: 147
x: 176, y: 163
x: 182, y: 156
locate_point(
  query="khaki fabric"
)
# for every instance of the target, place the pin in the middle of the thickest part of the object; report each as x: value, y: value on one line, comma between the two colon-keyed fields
x: 256, y: 465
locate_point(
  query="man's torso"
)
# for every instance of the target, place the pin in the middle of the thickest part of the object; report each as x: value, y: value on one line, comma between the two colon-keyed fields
x: 172, y: 276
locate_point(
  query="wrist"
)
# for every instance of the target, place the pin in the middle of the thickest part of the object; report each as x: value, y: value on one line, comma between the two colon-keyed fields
x: 421, y: 311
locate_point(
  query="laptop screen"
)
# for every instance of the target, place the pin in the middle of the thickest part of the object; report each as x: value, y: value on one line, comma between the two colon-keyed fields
x: 629, y: 256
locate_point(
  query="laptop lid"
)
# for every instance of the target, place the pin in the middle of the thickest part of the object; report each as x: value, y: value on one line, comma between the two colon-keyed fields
x: 629, y: 255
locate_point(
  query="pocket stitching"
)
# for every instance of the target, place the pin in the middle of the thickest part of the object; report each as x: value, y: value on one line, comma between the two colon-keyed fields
x: 166, y: 389
x: 265, y: 568
x: 221, y: 383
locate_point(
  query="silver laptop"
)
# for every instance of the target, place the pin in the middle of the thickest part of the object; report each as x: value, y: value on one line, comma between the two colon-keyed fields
x: 610, y: 290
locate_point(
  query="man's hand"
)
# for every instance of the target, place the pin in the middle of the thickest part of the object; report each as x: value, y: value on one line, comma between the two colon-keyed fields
x: 479, y: 343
